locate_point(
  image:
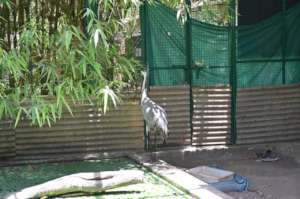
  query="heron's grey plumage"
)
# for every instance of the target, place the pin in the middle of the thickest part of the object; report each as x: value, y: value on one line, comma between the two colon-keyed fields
x: 154, y: 115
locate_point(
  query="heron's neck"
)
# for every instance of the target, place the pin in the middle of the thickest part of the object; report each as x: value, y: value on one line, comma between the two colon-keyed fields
x: 144, y: 90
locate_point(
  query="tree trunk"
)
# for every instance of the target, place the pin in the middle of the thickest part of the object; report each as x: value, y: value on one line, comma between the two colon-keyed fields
x: 81, y: 182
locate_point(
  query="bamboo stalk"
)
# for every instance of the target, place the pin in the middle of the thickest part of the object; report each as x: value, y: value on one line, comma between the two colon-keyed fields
x: 37, y: 13
x: 2, y: 27
x: 15, y: 26
x: 8, y: 32
x: 27, y: 11
x: 43, y: 24
x: 21, y: 14
x: 57, y: 15
x: 50, y: 17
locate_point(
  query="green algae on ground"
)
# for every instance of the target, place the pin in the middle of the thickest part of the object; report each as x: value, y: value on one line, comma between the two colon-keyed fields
x: 16, y: 178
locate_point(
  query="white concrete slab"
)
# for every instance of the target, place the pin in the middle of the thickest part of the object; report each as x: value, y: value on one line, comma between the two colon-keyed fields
x: 196, y: 187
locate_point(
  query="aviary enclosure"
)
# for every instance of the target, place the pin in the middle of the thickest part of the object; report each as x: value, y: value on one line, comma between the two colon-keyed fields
x: 242, y: 81
x: 220, y: 83
x: 222, y: 80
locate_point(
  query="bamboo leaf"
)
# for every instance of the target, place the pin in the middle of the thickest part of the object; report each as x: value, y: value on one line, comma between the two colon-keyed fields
x: 37, y: 115
x: 18, y: 117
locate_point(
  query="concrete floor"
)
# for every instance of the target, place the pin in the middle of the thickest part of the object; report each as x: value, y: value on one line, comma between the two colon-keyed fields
x: 267, y: 180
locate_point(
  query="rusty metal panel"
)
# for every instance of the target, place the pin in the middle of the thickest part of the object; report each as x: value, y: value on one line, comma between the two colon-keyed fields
x: 268, y: 114
x: 175, y: 100
x: 87, y: 131
x: 211, y: 115
x: 7, y: 139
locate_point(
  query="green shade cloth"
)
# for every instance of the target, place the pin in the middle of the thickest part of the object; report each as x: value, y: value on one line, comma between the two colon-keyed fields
x: 268, y: 52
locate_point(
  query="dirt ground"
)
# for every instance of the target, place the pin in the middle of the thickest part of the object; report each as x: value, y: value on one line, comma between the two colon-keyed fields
x: 267, y: 180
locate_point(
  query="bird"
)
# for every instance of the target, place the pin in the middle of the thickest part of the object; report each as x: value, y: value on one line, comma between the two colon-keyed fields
x: 154, y: 115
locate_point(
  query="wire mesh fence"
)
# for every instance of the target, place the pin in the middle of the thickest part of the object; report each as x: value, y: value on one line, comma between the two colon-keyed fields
x: 221, y: 53
x: 265, y: 53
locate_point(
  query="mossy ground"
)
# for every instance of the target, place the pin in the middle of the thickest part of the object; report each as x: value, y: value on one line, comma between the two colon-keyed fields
x: 16, y: 178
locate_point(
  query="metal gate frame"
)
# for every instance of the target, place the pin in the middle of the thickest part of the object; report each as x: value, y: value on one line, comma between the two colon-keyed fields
x: 189, y: 68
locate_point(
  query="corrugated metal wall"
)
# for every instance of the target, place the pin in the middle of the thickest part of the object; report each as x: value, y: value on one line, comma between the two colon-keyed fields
x: 87, y: 132
x: 263, y: 115
x: 268, y: 114
x: 175, y: 100
x: 7, y: 140
x: 211, y: 118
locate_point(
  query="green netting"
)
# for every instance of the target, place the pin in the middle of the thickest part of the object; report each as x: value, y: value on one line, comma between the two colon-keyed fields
x: 293, y: 72
x: 261, y: 41
x: 259, y: 74
x: 267, y: 53
x: 165, y: 46
x: 293, y: 32
x: 210, y: 54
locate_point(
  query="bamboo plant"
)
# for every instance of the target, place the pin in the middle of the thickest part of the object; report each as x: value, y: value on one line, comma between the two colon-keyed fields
x: 50, y: 70
x: 50, y: 59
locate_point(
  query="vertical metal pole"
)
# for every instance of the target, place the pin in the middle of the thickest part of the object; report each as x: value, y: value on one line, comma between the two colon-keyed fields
x: 143, y: 24
x: 189, y: 70
x: 233, y: 73
x: 284, y: 41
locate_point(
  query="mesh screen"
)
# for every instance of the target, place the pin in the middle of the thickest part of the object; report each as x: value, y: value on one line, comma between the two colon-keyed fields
x: 293, y: 32
x: 262, y: 40
x: 268, y: 52
x: 257, y: 45
x: 293, y: 72
x: 259, y: 74
x: 165, y: 46
x: 210, y: 54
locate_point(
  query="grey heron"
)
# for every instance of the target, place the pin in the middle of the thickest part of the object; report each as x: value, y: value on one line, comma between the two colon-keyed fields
x: 154, y: 115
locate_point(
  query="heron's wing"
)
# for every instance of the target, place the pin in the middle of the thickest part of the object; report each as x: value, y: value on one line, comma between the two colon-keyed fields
x: 154, y: 113
x: 147, y: 106
x: 155, y: 106
x: 162, y: 113
x: 161, y: 109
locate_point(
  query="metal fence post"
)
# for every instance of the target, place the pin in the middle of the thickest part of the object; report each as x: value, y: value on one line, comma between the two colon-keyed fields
x: 233, y: 72
x: 188, y: 54
x: 143, y: 24
x: 284, y: 41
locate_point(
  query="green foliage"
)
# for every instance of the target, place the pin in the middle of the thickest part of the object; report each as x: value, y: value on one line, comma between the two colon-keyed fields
x: 53, y: 64
x: 213, y: 12
x: 210, y: 11
x: 48, y: 73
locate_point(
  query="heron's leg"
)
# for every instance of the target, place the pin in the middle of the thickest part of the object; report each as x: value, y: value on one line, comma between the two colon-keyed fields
x: 155, y: 141
x: 147, y: 137
x: 164, y: 139
x: 165, y: 142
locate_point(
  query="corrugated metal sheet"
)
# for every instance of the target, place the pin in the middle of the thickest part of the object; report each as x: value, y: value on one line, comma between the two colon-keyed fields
x: 88, y: 131
x: 175, y: 100
x: 211, y: 117
x: 268, y: 114
x: 7, y: 139
x: 263, y: 115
